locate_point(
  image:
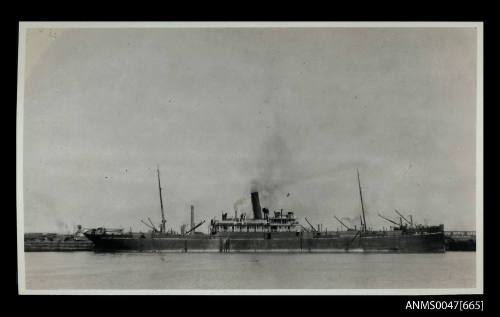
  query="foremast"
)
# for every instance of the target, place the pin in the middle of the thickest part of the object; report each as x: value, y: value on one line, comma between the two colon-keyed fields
x: 363, y: 222
x: 163, y: 221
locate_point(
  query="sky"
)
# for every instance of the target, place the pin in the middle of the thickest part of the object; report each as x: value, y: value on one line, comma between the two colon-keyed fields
x: 289, y: 112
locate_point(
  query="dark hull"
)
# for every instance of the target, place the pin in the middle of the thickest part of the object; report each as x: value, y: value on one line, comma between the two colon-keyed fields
x: 422, y: 243
x: 59, y: 246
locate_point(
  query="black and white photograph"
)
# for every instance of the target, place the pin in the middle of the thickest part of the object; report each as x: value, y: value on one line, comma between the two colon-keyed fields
x: 250, y: 158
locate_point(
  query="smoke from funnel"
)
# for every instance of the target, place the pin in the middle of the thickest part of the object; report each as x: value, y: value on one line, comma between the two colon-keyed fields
x: 276, y: 169
x: 239, y: 203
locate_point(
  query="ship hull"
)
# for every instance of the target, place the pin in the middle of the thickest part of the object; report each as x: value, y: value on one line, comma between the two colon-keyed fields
x: 421, y: 243
x: 59, y: 246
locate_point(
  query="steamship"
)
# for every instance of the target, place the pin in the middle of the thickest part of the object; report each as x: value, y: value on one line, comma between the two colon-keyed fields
x: 277, y: 232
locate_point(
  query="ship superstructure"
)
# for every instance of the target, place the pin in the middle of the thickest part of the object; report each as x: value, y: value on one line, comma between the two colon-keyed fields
x: 262, y: 222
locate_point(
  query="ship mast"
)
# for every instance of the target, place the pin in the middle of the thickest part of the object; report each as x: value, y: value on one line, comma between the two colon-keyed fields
x: 362, y: 205
x: 163, y: 221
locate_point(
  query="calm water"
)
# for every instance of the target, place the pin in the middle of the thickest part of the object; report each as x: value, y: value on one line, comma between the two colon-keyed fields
x: 89, y: 270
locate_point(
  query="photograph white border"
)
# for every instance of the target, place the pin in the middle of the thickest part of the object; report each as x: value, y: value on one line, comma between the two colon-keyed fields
x: 479, y: 289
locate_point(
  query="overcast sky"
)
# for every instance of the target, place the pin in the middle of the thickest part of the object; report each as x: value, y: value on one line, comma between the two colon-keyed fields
x: 291, y: 113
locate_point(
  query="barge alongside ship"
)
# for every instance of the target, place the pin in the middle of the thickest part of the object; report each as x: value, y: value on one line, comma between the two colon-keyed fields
x: 277, y: 232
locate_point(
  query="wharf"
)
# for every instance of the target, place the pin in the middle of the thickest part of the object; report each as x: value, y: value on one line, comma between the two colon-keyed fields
x: 460, y: 240
x: 50, y: 242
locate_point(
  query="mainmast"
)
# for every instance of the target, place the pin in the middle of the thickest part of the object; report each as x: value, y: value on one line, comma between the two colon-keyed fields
x: 163, y: 221
x: 362, y: 205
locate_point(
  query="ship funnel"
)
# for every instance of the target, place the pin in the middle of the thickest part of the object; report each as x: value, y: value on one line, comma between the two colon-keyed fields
x: 192, y: 217
x: 257, y: 211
